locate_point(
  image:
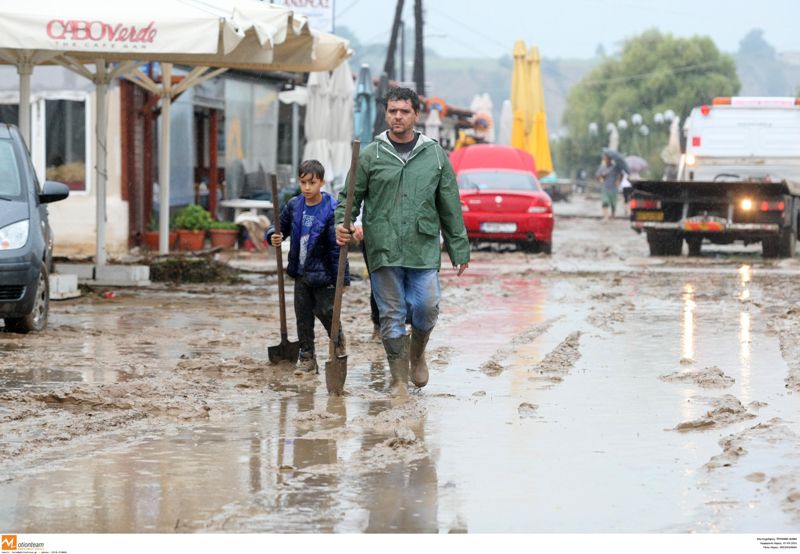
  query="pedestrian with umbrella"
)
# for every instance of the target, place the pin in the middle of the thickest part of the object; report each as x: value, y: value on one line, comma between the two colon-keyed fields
x: 610, y: 174
x: 636, y: 166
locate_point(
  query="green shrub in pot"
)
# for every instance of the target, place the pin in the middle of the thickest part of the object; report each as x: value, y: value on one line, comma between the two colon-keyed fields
x: 193, y: 218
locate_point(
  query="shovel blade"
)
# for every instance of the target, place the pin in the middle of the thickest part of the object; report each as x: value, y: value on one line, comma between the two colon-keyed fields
x: 335, y: 375
x: 285, y: 351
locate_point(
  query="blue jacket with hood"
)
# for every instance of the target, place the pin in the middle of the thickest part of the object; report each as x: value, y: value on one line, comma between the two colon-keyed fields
x: 322, y: 259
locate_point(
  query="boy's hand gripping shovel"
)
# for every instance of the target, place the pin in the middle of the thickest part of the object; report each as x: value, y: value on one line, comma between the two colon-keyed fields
x: 285, y: 350
x: 336, y: 366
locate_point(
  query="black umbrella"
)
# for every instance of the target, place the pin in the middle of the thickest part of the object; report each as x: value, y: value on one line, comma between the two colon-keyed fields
x: 616, y: 158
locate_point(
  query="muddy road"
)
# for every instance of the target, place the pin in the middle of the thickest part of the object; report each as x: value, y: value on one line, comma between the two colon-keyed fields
x: 597, y: 390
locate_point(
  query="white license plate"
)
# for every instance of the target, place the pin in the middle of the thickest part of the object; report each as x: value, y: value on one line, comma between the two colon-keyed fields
x: 499, y: 227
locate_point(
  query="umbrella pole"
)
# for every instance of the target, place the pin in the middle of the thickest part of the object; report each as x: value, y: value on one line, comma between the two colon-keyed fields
x: 295, y: 138
x: 163, y: 160
x: 25, y: 69
x: 101, y: 132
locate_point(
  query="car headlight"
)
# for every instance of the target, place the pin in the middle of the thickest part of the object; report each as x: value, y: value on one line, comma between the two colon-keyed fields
x: 14, y: 236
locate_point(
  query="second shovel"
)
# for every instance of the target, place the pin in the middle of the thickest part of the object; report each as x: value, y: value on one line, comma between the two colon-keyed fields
x: 336, y: 366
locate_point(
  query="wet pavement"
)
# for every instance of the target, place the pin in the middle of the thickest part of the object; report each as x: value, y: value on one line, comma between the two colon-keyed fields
x: 597, y: 390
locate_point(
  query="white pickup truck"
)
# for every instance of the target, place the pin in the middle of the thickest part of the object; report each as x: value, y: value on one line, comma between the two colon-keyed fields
x: 738, y: 180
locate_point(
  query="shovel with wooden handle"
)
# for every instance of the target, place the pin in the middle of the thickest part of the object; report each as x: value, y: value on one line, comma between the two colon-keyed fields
x: 336, y: 366
x: 285, y: 351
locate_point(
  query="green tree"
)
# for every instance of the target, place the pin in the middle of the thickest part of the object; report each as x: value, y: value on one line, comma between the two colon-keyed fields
x: 653, y: 73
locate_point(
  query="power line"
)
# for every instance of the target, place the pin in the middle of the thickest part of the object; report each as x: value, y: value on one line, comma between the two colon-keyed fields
x: 347, y: 9
x: 470, y: 29
x: 649, y: 73
x: 470, y: 46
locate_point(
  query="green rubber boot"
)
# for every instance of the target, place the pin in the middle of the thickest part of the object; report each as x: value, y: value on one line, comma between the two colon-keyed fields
x: 397, y: 355
x: 419, y: 367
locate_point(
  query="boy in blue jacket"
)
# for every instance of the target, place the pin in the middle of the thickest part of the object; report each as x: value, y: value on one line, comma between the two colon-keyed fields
x: 313, y: 259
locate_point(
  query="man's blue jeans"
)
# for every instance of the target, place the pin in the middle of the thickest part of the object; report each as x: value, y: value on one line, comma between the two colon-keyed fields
x: 402, y: 291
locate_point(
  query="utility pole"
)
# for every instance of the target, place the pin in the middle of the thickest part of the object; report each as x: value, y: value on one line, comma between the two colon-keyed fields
x: 402, y: 51
x: 419, y: 49
x: 388, y: 67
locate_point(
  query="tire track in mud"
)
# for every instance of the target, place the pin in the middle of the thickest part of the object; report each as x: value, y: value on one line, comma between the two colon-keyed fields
x: 493, y: 365
x: 559, y: 362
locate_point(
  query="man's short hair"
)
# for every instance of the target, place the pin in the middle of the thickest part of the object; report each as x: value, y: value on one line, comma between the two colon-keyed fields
x: 311, y: 167
x: 401, y: 93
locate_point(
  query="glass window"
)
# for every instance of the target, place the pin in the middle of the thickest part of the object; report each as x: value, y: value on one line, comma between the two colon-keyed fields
x: 10, y: 183
x: 65, y: 142
x: 251, y: 132
x: 9, y: 113
x: 497, y: 180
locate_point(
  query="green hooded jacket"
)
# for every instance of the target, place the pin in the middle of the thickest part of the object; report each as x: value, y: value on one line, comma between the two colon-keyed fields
x: 406, y: 204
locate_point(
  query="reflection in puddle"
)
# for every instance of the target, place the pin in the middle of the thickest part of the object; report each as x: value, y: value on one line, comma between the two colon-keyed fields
x: 36, y: 378
x: 745, y: 275
x: 687, y: 330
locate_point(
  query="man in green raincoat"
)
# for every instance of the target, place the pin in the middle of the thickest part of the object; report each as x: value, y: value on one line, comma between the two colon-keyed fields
x: 409, y: 194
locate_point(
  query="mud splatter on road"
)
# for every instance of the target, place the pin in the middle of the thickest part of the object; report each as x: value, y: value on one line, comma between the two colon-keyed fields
x: 707, y: 378
x: 724, y: 411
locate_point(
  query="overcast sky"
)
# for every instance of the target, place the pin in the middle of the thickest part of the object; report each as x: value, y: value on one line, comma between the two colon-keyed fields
x: 572, y: 28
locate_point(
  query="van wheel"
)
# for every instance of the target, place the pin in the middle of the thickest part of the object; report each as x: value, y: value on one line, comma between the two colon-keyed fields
x: 37, y: 319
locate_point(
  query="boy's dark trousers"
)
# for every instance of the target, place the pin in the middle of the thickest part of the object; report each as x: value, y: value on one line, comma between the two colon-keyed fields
x: 310, y: 302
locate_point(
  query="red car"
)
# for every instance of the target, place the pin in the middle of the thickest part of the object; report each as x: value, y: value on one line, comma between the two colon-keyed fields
x: 501, y: 197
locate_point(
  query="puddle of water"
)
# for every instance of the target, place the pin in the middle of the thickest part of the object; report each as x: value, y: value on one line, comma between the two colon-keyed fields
x: 592, y: 453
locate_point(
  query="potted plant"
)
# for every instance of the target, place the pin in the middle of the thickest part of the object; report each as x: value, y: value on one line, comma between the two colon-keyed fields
x: 223, y: 234
x: 192, y: 223
x: 151, y: 235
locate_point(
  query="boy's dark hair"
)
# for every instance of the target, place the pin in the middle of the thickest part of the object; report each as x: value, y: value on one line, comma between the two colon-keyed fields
x: 311, y: 167
x: 401, y: 93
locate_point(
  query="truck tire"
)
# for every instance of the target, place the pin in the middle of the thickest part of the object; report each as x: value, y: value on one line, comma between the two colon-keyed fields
x: 664, y: 244
x: 787, y: 243
x: 782, y: 246
x: 656, y: 247
x: 695, y: 246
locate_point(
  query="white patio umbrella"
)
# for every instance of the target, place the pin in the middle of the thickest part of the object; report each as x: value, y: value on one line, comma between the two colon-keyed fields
x: 488, y: 107
x: 671, y: 153
x: 342, y: 97
x: 506, y: 123
x: 205, y: 33
x: 433, y: 125
x: 317, y: 122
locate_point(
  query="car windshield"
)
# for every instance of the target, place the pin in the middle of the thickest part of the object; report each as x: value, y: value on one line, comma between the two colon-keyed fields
x: 497, y: 180
x: 10, y: 183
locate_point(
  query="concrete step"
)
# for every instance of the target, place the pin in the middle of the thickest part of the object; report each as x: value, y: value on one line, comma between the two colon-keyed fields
x: 109, y: 275
x: 63, y: 286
